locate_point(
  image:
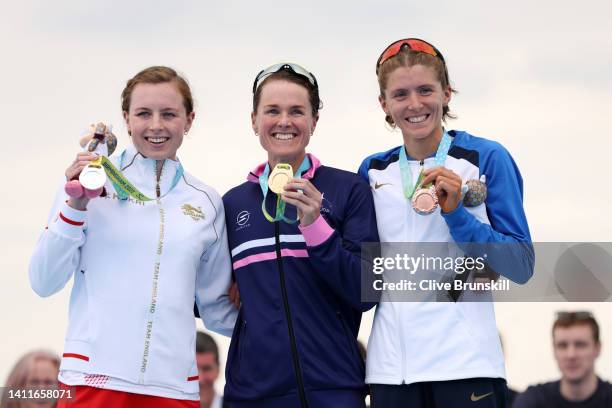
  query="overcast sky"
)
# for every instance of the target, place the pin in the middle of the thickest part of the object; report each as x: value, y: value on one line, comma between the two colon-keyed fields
x: 535, y: 77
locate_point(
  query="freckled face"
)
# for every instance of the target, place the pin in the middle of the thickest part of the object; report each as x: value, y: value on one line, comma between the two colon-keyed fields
x: 415, y: 100
x: 284, y: 121
x: 157, y: 120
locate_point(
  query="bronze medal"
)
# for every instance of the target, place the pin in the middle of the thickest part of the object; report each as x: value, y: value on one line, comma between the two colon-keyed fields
x: 425, y: 200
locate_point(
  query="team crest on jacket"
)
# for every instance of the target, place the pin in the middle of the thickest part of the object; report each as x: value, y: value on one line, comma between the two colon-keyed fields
x: 195, y: 213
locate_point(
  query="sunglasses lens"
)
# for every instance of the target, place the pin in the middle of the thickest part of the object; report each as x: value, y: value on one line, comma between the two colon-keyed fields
x: 277, y: 67
x: 391, y: 51
x: 411, y: 43
x: 423, y: 47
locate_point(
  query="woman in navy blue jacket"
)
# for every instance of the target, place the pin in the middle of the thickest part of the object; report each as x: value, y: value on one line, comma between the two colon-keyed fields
x: 297, y: 261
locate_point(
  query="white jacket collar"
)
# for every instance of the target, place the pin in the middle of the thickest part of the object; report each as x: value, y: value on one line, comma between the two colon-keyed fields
x: 140, y: 170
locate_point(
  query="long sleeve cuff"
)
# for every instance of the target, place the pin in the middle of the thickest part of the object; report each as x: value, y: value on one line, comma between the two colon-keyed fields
x: 317, y: 232
x: 69, y: 222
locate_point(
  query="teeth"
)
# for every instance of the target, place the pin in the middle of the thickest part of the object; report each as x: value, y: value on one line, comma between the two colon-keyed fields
x: 417, y: 119
x: 283, y: 136
x: 157, y: 139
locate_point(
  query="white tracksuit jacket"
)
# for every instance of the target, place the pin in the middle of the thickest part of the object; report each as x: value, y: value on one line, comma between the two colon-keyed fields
x: 439, y: 341
x: 137, y: 269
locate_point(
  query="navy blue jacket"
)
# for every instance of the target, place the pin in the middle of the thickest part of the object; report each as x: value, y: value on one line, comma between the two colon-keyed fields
x: 300, y: 289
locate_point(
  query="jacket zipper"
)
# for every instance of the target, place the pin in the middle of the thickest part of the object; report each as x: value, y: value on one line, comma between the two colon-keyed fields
x: 151, y: 308
x: 349, y: 336
x: 294, y: 353
x: 410, y: 239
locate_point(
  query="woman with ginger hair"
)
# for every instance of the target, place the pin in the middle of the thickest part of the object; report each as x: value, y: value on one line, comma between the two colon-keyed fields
x: 139, y: 257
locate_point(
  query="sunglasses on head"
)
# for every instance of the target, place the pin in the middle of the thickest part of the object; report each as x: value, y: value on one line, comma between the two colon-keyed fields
x: 295, y: 68
x: 413, y: 44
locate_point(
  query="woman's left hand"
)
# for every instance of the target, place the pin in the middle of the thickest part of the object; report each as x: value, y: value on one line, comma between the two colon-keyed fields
x: 448, y: 187
x: 306, y: 198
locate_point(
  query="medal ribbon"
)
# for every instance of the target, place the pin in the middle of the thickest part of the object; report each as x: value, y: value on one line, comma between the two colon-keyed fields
x: 122, y: 185
x: 280, y: 204
x: 406, y: 173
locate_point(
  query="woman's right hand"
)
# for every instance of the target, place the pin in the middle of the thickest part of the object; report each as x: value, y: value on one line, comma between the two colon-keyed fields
x: 72, y: 172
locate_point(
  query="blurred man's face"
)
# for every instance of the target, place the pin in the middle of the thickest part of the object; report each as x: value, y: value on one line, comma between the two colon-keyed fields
x: 575, y: 351
x: 208, y: 370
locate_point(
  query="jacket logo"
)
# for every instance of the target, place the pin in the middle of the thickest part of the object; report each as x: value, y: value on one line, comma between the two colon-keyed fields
x: 475, y: 398
x: 379, y: 185
x: 195, y: 213
x: 326, y: 205
x: 243, y: 218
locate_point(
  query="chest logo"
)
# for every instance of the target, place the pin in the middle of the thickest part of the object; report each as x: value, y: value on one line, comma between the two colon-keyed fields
x: 195, y: 213
x: 243, y: 218
x: 475, y: 397
x: 378, y: 185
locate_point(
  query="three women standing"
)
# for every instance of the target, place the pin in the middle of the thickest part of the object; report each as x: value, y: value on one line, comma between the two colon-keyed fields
x: 298, y: 266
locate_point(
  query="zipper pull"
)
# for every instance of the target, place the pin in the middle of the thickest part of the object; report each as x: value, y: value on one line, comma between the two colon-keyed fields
x: 157, y: 190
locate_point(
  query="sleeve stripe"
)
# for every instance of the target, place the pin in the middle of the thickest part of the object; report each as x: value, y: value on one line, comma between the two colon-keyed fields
x: 74, y: 355
x: 69, y: 221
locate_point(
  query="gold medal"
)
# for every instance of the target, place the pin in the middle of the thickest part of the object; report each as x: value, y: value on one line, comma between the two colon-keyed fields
x: 281, y: 175
x: 425, y: 200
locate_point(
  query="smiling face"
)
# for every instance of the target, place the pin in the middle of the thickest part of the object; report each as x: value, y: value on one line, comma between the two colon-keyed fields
x: 157, y: 119
x: 575, y: 351
x: 284, y: 121
x: 415, y: 100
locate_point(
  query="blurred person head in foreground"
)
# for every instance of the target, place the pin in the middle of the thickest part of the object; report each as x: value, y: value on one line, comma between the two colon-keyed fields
x: 576, y: 346
x: 34, y: 370
x: 207, y: 359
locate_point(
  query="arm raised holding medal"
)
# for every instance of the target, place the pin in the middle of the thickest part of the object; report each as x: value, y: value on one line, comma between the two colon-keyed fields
x: 86, y: 177
x: 81, y: 161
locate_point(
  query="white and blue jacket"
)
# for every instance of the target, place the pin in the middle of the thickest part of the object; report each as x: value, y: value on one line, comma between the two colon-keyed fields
x: 415, y: 342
